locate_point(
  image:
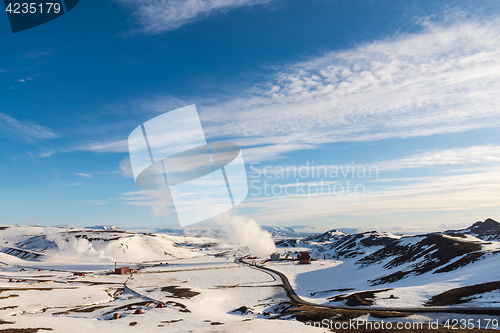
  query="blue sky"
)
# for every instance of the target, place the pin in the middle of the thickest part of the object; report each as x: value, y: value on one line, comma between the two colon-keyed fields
x: 407, y: 87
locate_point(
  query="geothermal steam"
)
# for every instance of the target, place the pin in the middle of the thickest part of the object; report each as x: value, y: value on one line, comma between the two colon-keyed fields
x: 247, y: 233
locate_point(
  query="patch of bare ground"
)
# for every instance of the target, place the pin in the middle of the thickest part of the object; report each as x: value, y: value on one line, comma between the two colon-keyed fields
x: 179, y: 292
x: 128, y: 306
x: 425, y: 328
x: 171, y: 321
x: 455, y: 234
x: 309, y: 315
x: 9, y: 307
x: 356, y: 299
x: 459, y: 295
x: 84, y: 309
x: 462, y: 262
x: 91, y: 308
x: 24, y: 330
x: 131, y: 306
x: 179, y: 305
x: 434, y: 251
x: 4, y: 322
x: 243, y: 310
x: 331, y: 291
x: 38, y: 289
x: 42, y: 276
x: 10, y: 296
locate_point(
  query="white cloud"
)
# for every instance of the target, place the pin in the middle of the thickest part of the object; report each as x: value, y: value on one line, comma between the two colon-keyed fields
x: 457, y: 193
x: 24, y: 131
x: 93, y: 202
x: 111, y: 146
x: 440, y: 81
x: 126, y: 168
x: 158, y: 200
x: 104, y: 146
x: 32, y: 220
x: 156, y: 16
x: 450, y: 157
x: 477, y: 187
x: 471, y: 159
x: 86, y: 175
x: 453, y: 226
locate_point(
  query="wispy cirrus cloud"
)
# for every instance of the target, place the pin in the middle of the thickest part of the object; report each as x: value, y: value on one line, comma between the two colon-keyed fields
x: 439, y: 81
x: 25, y: 131
x: 110, y: 146
x: 474, y: 185
x: 158, y: 200
x: 442, y: 80
x: 477, y: 155
x: 85, y: 175
x: 126, y: 168
x: 106, y: 145
x: 483, y: 158
x: 156, y: 16
x: 93, y: 202
x: 455, y: 193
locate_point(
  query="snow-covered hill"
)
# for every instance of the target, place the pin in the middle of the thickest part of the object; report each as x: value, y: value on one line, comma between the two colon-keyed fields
x: 280, y: 232
x: 220, y: 233
x: 489, y: 230
x: 419, y: 267
x: 104, y: 227
x: 48, y: 244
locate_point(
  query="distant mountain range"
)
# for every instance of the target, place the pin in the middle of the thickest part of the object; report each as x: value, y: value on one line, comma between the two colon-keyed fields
x: 104, y: 227
x: 280, y: 231
x: 277, y: 232
x: 489, y: 230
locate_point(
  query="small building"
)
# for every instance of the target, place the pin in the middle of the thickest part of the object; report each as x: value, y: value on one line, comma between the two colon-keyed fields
x: 78, y: 274
x: 275, y: 256
x: 304, y: 257
x: 123, y: 270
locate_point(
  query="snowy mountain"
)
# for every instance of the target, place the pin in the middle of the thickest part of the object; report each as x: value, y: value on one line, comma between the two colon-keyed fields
x: 280, y: 231
x: 326, y: 236
x: 398, y: 257
x: 364, y: 268
x: 104, y: 227
x: 221, y: 233
x: 489, y: 230
x: 99, y: 245
x: 347, y: 246
x: 451, y: 268
x: 417, y: 255
x: 337, y: 244
x: 188, y: 232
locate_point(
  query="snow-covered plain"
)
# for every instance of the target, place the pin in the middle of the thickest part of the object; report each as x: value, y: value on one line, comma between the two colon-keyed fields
x: 324, y: 279
x: 411, y: 269
x: 196, y: 278
x: 62, y: 278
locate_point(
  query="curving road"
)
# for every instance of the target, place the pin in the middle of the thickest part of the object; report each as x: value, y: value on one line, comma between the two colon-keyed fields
x: 293, y: 296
